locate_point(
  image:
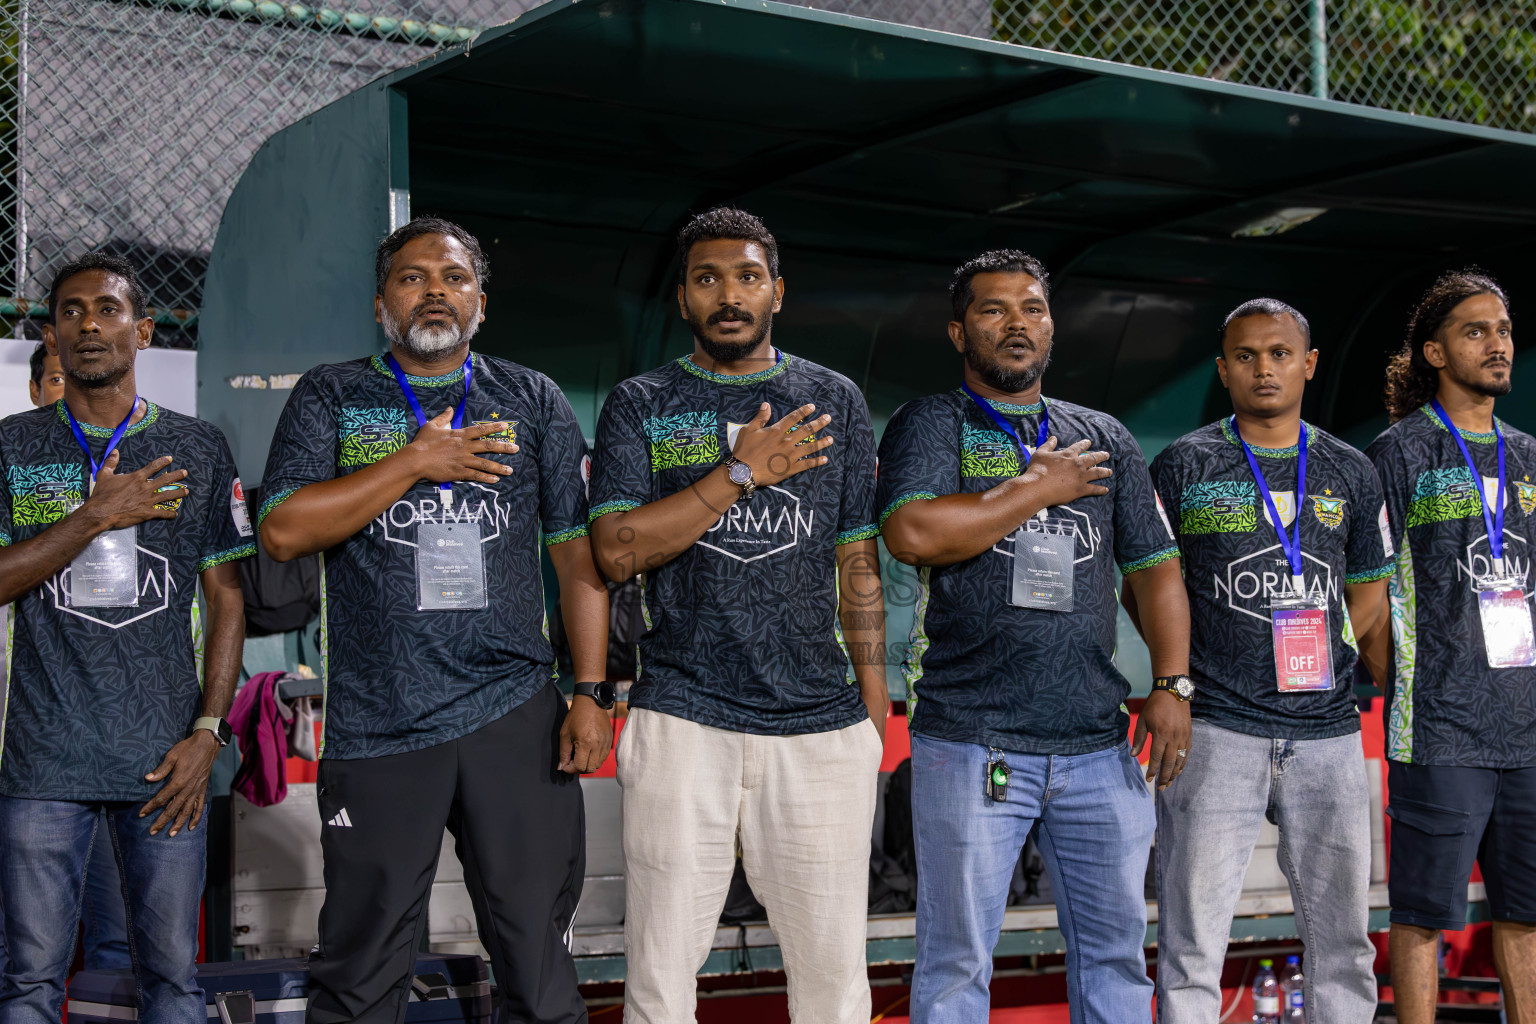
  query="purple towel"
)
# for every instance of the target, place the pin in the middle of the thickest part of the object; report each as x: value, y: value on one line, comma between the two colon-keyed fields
x: 262, y: 733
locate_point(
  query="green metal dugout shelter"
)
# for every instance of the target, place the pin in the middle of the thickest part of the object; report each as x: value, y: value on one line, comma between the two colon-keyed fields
x: 575, y: 140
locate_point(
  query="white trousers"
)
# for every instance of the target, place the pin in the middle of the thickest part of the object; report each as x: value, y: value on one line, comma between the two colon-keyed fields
x: 803, y: 806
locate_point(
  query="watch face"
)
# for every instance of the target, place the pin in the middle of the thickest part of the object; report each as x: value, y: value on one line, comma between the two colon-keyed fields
x: 740, y: 473
x: 606, y: 694
x: 1184, y: 688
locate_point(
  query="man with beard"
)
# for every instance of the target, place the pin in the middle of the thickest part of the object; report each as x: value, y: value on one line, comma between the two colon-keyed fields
x: 1014, y: 698
x: 1461, y: 707
x: 740, y: 480
x: 109, y: 733
x: 1279, y: 531
x: 427, y: 478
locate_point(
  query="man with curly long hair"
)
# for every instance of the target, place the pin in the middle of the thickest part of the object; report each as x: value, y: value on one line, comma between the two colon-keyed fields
x: 1461, y: 707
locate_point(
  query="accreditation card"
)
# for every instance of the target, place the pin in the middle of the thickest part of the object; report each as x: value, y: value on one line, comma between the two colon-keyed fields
x: 1303, y: 652
x: 450, y: 567
x: 106, y: 573
x: 1506, y: 617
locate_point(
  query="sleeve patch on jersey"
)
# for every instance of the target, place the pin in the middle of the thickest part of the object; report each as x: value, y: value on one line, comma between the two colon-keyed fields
x: 1146, y: 563
x: 1162, y: 514
x: 238, y: 511
x: 1385, y: 526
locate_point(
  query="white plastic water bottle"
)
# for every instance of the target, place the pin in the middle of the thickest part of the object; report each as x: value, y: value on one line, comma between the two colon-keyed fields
x: 1292, y: 996
x: 1266, y: 995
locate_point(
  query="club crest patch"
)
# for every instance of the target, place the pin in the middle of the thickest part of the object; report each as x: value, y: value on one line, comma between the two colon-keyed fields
x: 1527, y: 494
x: 1329, y: 511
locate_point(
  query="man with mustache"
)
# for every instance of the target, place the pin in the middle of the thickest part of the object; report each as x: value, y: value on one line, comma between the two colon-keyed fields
x: 429, y: 477
x: 115, y: 710
x: 1014, y: 698
x: 1461, y: 707
x: 1270, y: 574
x: 740, y: 480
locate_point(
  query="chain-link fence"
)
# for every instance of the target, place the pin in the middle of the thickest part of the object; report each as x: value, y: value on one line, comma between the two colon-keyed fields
x: 124, y: 124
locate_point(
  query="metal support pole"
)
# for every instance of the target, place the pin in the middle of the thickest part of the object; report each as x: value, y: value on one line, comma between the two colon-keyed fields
x: 1318, y: 30
x: 20, y: 122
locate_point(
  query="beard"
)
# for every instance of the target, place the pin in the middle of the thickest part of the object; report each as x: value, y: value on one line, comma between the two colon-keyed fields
x: 1008, y: 381
x: 426, y: 341
x: 1489, y: 387
x: 729, y: 351
x: 106, y: 377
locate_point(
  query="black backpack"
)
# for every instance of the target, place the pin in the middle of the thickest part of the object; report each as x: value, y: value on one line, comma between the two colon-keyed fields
x: 279, y: 596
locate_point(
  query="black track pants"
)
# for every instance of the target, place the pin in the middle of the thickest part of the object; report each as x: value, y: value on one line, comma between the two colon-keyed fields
x: 520, y: 830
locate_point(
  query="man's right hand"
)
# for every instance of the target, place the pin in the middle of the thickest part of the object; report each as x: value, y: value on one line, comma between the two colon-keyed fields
x: 444, y: 455
x: 778, y: 451
x: 1061, y: 477
x: 128, y: 499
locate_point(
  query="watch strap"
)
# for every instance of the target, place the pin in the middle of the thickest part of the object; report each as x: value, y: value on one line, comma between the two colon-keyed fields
x: 593, y: 690
x: 218, y: 726
x: 1181, y: 686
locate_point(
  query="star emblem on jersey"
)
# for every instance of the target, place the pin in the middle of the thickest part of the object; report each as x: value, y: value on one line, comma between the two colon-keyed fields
x: 1329, y: 511
x: 1527, y: 494
x: 508, y: 427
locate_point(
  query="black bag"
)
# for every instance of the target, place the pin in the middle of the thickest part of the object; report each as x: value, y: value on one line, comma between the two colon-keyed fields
x: 626, y: 622
x: 741, y: 905
x: 893, y: 865
x: 279, y: 596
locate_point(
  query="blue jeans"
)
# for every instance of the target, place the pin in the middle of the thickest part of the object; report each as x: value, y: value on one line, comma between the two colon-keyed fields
x: 1207, y: 825
x: 105, y: 915
x: 45, y: 847
x: 1096, y: 823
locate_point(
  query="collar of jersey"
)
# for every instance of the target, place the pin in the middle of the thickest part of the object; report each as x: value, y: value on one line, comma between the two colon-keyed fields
x: 1008, y: 408
x: 378, y: 363
x: 1471, y: 435
x: 151, y: 413
x: 1270, y: 453
x: 733, y: 378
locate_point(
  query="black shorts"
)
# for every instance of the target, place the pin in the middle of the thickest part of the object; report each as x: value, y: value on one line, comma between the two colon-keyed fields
x: 1443, y: 819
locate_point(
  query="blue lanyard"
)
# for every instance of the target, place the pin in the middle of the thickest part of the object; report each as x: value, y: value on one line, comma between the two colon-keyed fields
x: 1495, y: 521
x: 1008, y: 428
x: 1290, y: 545
x: 421, y: 417
x: 117, y: 435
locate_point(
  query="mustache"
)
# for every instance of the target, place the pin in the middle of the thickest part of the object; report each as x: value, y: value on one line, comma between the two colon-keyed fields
x: 427, y: 307
x: 730, y: 313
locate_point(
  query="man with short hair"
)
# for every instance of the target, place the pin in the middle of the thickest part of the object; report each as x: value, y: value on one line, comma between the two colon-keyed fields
x: 740, y: 480
x: 1281, y: 529
x: 1461, y: 708
x: 427, y: 478
x: 47, y: 383
x: 102, y: 549
x: 1014, y: 697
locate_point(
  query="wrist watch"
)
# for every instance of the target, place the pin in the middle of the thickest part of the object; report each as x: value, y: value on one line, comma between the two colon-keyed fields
x: 1181, y: 687
x: 602, y: 694
x: 740, y: 474
x: 220, y: 729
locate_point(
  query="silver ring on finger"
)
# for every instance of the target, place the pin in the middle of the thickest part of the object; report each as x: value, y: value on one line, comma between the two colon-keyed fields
x: 1182, y: 753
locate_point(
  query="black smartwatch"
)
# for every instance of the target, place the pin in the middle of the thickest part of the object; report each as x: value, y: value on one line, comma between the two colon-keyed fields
x: 1181, y: 687
x: 603, y: 694
x: 218, y: 726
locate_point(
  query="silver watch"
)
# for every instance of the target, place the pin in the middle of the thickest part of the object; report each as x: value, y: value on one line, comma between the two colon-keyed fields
x: 740, y: 474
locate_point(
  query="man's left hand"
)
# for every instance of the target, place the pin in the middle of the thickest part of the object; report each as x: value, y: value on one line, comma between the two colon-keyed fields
x: 1166, y: 719
x: 185, y: 770
x: 585, y: 737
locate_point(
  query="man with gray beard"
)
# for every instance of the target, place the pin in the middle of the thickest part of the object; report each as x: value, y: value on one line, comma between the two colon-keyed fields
x: 428, y: 477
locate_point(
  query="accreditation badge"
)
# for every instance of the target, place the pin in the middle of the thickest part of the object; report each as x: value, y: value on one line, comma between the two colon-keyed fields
x: 450, y: 567
x: 106, y: 573
x: 1043, y: 554
x: 1507, y: 633
x: 1303, y: 651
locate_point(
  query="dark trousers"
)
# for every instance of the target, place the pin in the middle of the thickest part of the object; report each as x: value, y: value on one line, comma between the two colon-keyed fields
x: 519, y: 827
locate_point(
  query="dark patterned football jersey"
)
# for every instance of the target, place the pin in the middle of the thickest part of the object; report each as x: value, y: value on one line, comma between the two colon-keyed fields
x: 400, y: 679
x: 742, y: 628
x: 98, y: 696
x: 1445, y: 705
x: 979, y: 669
x: 1234, y: 567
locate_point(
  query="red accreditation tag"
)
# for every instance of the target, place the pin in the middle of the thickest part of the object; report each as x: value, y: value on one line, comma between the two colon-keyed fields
x: 1303, y: 655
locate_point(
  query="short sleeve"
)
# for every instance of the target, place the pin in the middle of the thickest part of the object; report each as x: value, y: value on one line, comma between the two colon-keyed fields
x: 563, y: 467
x: 1368, y: 549
x: 919, y: 457
x: 227, y: 532
x: 1143, y: 537
x: 621, y: 461
x: 856, y: 516
x: 303, y: 448
x: 1168, y: 490
x: 5, y: 506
